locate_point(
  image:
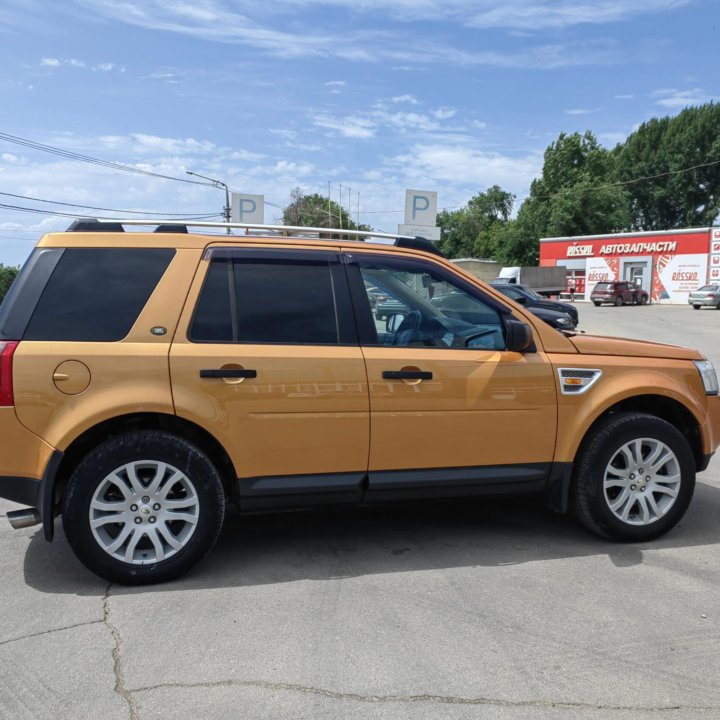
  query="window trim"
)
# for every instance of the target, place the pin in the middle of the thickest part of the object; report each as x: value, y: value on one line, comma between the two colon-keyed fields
x: 367, y: 331
x: 344, y: 316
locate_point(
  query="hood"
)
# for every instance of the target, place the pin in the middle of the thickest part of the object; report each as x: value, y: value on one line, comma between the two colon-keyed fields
x: 598, y: 345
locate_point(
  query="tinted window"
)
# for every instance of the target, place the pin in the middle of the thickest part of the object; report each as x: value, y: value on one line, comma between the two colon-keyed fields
x: 272, y: 301
x: 24, y: 293
x: 427, y: 308
x: 95, y: 295
x: 213, y: 315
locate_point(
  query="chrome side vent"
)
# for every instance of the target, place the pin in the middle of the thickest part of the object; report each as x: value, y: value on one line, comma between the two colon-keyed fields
x: 576, y: 381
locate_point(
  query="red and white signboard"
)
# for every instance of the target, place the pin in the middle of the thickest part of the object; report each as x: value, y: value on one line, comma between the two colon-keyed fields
x: 678, y: 261
x: 681, y: 275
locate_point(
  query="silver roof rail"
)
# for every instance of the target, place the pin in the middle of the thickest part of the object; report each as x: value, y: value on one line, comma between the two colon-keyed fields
x: 280, y: 229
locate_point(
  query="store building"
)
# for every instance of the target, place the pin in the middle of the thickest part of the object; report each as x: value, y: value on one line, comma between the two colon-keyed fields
x: 667, y: 264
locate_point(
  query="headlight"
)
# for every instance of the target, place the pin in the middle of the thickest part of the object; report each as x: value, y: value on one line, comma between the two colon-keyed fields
x: 708, y: 375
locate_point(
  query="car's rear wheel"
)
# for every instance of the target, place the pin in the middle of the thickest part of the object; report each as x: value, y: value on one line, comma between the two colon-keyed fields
x: 143, y: 507
x: 618, y: 301
x: 696, y: 307
x: 596, y: 304
x: 634, y: 479
x: 643, y: 299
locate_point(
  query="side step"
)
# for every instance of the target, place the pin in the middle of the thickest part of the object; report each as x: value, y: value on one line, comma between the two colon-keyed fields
x: 27, y: 517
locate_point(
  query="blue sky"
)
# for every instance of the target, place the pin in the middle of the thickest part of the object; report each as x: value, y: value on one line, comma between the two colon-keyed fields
x: 379, y: 96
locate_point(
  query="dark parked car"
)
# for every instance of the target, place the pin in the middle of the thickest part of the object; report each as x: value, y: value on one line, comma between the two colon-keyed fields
x: 525, y: 295
x: 618, y: 293
x: 558, y: 320
x: 452, y: 304
x: 707, y: 296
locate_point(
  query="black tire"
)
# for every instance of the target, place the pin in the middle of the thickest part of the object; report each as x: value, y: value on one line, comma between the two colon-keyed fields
x: 596, y: 303
x: 619, y: 301
x: 643, y: 299
x: 99, y: 463
x: 697, y: 307
x: 589, y: 501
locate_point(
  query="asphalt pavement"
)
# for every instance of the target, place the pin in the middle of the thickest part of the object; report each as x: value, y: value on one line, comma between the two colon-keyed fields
x: 492, y: 609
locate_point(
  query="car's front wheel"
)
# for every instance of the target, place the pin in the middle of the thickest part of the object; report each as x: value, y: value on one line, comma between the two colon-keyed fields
x: 143, y: 507
x: 634, y: 478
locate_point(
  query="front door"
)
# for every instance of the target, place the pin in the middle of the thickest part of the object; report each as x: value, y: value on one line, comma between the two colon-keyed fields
x: 452, y: 411
x: 267, y: 361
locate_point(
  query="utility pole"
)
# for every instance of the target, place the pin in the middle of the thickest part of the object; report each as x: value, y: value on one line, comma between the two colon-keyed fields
x: 219, y: 184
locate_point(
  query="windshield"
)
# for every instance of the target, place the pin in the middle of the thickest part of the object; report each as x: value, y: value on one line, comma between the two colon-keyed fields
x: 708, y: 288
x: 603, y: 286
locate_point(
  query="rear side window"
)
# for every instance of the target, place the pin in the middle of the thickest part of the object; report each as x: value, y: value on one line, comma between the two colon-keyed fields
x: 96, y: 294
x: 267, y: 300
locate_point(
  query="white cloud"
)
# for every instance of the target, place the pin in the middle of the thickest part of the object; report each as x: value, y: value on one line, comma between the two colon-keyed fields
x: 447, y: 163
x: 534, y: 15
x: 219, y: 21
x: 52, y: 62
x: 624, y: 97
x: 444, y: 113
x: 673, y: 98
x: 350, y: 127
x: 583, y: 111
x: 336, y: 83
x: 409, y: 99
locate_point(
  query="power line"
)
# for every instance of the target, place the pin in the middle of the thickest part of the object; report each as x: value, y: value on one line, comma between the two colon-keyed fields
x: 623, y: 183
x: 93, y: 207
x: 38, y: 211
x: 89, y: 159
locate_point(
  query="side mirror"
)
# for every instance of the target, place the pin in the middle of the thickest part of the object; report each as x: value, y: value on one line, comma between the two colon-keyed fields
x: 521, y: 299
x: 393, y: 322
x: 518, y: 336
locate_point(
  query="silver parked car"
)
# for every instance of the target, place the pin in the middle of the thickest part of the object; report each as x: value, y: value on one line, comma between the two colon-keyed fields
x: 707, y: 295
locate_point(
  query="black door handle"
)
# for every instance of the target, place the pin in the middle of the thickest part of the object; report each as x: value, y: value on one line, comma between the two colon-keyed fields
x: 228, y: 373
x: 407, y: 375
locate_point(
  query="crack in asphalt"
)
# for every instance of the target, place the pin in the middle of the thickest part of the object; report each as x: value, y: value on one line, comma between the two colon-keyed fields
x: 50, y: 632
x: 120, y: 687
x: 440, y: 699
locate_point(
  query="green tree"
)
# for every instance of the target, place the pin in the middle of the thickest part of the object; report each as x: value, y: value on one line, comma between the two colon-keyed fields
x: 316, y: 211
x: 574, y: 195
x: 7, y: 275
x: 473, y: 231
x: 661, y: 147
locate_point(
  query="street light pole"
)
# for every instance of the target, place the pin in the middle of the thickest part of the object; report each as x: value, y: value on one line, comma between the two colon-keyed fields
x: 219, y: 184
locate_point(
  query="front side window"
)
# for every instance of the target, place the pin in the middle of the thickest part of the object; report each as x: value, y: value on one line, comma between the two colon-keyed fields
x: 267, y: 300
x: 423, y: 306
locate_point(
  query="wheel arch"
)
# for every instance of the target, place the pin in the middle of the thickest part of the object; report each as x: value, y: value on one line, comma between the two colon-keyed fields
x: 660, y: 406
x: 91, y: 437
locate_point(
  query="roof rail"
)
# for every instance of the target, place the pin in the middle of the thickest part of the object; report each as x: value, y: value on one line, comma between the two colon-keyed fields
x: 181, y: 226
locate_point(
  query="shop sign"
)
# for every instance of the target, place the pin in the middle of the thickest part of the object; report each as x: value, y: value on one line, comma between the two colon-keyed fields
x: 666, y: 246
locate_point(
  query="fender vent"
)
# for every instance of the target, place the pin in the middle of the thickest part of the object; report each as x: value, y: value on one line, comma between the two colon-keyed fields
x: 575, y: 381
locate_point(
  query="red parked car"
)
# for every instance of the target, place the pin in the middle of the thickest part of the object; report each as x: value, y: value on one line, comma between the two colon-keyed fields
x: 618, y: 293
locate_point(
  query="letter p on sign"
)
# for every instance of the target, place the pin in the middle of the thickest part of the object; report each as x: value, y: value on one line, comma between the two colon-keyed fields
x: 420, y: 207
x: 247, y: 209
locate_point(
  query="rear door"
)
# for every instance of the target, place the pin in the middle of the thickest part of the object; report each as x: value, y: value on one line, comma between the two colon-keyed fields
x: 452, y: 411
x: 267, y: 360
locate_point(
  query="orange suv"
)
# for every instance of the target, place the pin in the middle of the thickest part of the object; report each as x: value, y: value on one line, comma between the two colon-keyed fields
x: 149, y: 378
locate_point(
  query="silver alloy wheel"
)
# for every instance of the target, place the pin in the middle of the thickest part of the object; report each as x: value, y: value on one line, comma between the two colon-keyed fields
x: 642, y: 481
x: 144, y: 512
